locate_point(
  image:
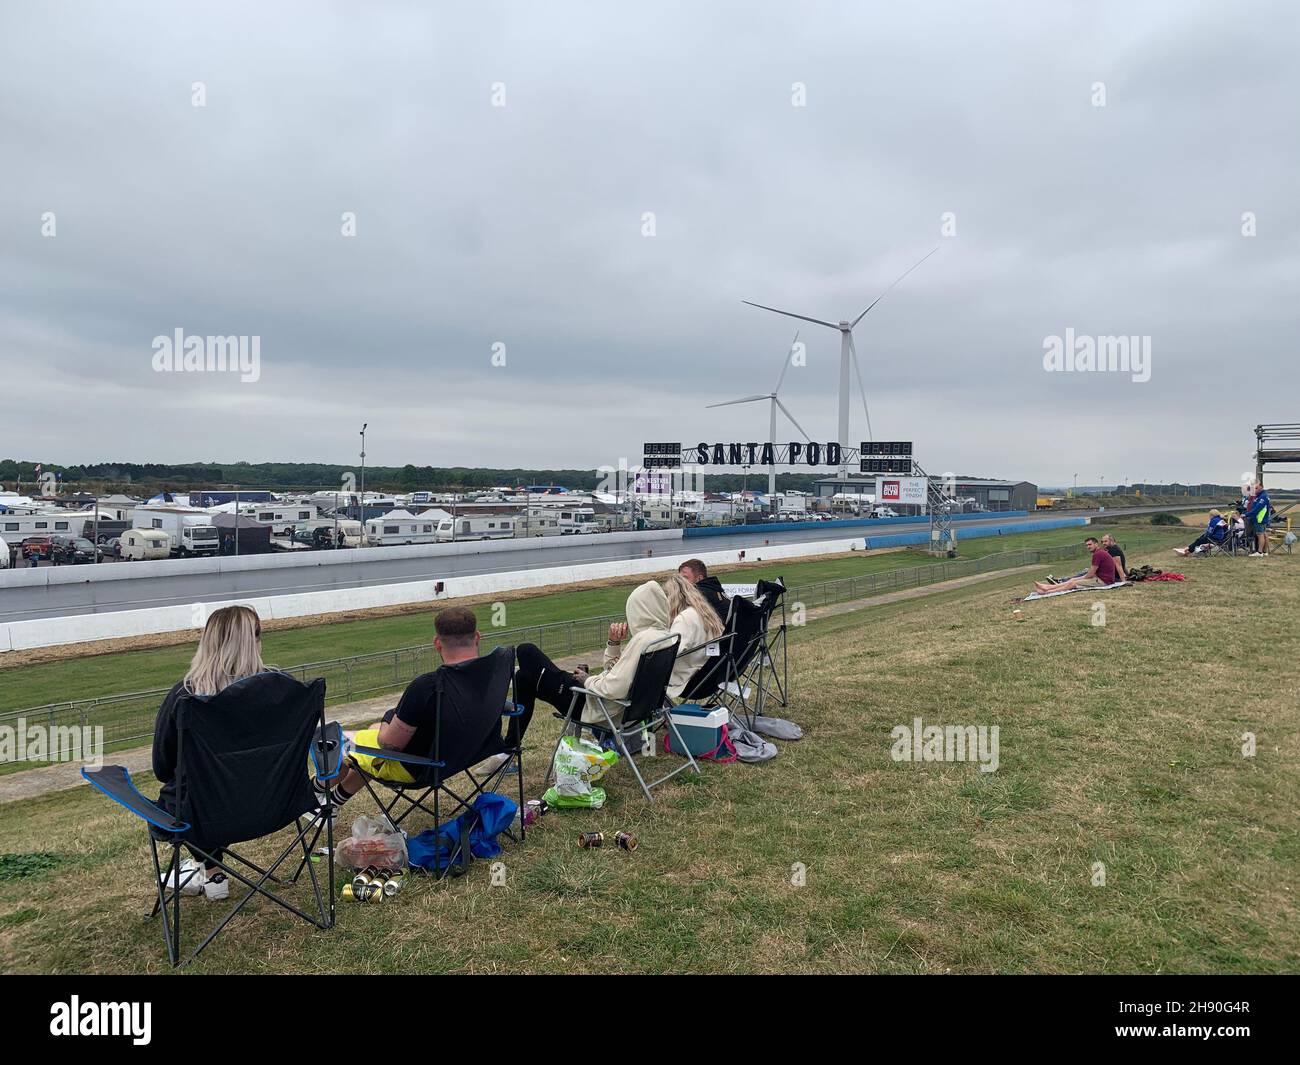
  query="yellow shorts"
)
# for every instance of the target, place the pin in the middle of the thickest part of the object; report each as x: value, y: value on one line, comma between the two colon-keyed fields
x: 380, y: 768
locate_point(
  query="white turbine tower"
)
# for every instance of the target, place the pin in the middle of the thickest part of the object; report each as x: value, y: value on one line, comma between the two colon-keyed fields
x: 774, y: 402
x: 848, y: 353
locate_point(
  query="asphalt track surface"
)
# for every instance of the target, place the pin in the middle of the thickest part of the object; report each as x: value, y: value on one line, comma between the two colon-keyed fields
x: 68, y: 600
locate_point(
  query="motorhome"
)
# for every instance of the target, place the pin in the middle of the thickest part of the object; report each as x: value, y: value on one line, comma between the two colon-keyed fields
x: 145, y: 544
x: 15, y: 527
x: 478, y: 527
x: 577, y: 520
x: 281, y: 517
x: 4, y: 553
x: 190, y: 530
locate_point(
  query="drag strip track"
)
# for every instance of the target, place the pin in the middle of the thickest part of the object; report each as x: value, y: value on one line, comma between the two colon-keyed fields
x: 97, y: 597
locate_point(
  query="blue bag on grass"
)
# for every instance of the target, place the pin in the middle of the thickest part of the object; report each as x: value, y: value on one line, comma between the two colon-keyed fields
x: 435, y: 848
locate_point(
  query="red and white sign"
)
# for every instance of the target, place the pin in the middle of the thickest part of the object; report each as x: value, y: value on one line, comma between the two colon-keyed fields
x: 907, y: 490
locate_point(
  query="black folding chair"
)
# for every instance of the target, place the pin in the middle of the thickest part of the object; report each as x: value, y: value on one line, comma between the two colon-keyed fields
x: 472, y: 698
x: 242, y: 759
x: 771, y: 598
x: 707, y: 683
x: 645, y: 709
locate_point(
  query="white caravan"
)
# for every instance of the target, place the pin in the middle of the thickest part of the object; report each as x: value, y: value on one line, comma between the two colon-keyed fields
x: 478, y: 527
x: 403, y: 527
x: 145, y: 544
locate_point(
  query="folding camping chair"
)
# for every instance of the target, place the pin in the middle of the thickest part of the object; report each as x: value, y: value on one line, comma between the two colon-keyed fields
x: 646, y: 708
x: 707, y: 683
x: 758, y: 655
x: 471, y: 699
x: 241, y: 775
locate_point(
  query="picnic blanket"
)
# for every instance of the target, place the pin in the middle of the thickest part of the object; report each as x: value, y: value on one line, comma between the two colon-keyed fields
x: 1068, y: 591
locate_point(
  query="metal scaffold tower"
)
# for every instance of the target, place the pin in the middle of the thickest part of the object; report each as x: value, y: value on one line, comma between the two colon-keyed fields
x: 939, y: 503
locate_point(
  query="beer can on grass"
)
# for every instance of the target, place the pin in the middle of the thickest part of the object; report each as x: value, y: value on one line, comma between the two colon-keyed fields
x: 588, y: 840
x: 626, y: 840
x: 393, y: 884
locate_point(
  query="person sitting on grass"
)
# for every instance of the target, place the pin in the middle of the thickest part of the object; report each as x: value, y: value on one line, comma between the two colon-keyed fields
x: 409, y: 726
x: 1117, y: 553
x: 1099, y: 574
x: 1216, y: 532
x: 229, y: 650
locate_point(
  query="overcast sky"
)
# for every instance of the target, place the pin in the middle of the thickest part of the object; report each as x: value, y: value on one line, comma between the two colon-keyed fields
x: 524, y: 225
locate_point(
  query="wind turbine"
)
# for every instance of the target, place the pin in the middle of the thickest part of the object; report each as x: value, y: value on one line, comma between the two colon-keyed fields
x: 848, y: 353
x: 774, y: 402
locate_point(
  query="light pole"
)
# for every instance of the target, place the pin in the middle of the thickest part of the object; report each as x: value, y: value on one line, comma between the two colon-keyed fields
x: 363, y: 483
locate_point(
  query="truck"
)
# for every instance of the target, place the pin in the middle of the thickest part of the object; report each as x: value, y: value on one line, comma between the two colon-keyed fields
x: 189, y: 530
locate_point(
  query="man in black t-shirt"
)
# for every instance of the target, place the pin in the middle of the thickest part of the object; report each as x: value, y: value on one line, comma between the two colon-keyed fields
x: 1117, y: 553
x: 409, y: 725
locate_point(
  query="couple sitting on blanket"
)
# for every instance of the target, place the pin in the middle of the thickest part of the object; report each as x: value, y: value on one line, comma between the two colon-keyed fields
x: 1108, y: 567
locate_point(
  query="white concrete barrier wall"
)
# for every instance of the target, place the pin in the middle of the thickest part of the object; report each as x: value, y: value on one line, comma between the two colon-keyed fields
x: 21, y: 577
x: 47, y: 632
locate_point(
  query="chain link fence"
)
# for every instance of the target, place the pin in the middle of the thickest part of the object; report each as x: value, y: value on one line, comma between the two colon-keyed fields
x: 129, y: 719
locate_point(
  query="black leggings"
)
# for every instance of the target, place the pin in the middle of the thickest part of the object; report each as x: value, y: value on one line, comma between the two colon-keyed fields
x: 537, y: 677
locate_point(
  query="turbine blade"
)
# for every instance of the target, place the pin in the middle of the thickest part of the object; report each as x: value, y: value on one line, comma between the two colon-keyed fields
x: 791, y: 314
x: 891, y: 287
x: 732, y: 402
x: 786, y: 365
x: 786, y: 411
x: 853, y: 352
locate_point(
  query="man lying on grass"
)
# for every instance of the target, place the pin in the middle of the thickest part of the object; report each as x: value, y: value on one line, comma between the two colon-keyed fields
x: 1099, y: 574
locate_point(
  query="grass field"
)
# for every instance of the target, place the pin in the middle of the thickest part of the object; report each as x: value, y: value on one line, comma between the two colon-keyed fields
x: 131, y: 671
x: 1119, y: 744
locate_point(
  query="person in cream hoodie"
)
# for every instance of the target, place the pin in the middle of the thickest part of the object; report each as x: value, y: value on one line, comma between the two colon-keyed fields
x: 652, y: 615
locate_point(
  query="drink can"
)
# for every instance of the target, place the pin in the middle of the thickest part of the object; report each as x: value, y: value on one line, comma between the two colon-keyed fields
x: 626, y: 840
x: 588, y: 840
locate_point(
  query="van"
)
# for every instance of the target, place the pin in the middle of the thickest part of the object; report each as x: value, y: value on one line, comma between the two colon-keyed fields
x: 146, y: 544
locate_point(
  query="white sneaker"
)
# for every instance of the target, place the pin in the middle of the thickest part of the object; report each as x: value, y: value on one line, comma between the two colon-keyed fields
x: 216, y: 887
x: 191, y: 878
x: 1256, y: 554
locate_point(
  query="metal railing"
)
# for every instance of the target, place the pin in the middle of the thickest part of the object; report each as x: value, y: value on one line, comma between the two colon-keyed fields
x: 130, y: 717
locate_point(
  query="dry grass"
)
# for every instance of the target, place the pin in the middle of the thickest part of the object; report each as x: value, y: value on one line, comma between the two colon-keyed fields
x: 1119, y: 744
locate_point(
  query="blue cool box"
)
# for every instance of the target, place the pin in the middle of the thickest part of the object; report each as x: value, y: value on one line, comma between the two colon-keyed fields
x: 700, y: 726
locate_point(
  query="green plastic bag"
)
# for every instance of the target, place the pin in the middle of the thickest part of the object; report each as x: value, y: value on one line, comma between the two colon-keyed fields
x: 579, y: 763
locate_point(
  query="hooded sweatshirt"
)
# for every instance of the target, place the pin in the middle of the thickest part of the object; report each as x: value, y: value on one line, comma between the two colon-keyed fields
x: 647, y: 621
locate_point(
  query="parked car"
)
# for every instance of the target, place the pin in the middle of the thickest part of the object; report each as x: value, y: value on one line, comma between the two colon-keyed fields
x: 41, y: 548
x: 75, y: 551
